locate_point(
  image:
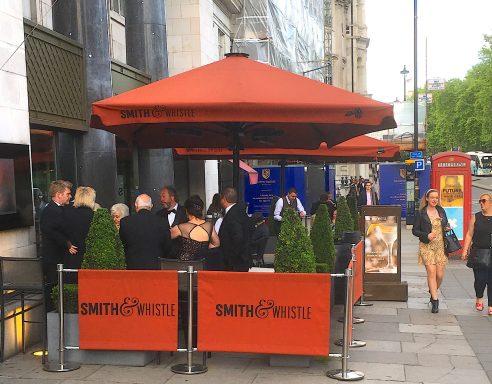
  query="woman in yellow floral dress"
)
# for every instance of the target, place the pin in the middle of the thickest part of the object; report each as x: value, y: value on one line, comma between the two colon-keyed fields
x: 430, y: 226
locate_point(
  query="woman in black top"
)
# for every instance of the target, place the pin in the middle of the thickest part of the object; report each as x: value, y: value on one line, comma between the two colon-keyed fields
x: 430, y: 226
x: 77, y: 222
x: 479, y: 237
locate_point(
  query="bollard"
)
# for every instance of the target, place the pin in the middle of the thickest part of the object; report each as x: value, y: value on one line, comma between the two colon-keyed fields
x: 189, y: 368
x: 61, y: 365
x: 353, y: 343
x: 345, y: 374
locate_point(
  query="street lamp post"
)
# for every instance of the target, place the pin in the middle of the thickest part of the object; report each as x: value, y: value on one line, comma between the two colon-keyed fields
x: 404, y: 72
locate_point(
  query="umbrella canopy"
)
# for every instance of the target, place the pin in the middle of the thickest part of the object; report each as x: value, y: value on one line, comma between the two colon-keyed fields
x: 359, y: 149
x: 237, y: 102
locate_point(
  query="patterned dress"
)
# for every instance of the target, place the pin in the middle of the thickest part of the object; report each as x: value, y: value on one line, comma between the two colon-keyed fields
x: 190, y: 249
x: 433, y: 253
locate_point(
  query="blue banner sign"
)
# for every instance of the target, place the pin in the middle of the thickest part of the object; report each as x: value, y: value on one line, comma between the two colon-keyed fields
x: 259, y: 196
x: 392, y: 186
x: 416, y: 155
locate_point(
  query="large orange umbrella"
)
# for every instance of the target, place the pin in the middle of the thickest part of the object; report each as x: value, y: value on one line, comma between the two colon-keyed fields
x: 358, y: 149
x: 239, y: 103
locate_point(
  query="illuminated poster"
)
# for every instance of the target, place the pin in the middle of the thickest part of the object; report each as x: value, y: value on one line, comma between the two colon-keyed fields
x: 7, y: 186
x: 452, y: 200
x: 381, y: 244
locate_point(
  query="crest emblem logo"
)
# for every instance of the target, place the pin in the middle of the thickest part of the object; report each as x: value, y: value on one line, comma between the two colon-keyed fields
x: 265, y: 173
x: 403, y: 174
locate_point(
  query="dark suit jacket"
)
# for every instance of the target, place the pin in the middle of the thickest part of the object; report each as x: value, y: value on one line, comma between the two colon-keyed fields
x: 422, y: 225
x: 329, y: 204
x: 179, y: 218
x: 234, y: 236
x: 145, y: 238
x: 77, y: 223
x: 363, y: 198
x: 55, y: 241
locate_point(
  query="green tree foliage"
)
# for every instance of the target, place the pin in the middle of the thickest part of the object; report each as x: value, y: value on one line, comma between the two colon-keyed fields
x: 294, y: 252
x: 103, y: 245
x: 322, y: 240
x: 354, y: 213
x: 461, y: 115
x: 344, y: 220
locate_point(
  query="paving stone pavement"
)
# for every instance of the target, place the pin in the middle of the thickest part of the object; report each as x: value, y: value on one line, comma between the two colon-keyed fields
x: 405, y: 344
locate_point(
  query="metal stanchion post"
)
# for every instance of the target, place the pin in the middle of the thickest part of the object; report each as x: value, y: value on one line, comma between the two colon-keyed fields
x: 189, y: 368
x: 61, y: 365
x: 345, y: 374
x: 355, y: 320
x: 362, y: 303
x: 353, y: 343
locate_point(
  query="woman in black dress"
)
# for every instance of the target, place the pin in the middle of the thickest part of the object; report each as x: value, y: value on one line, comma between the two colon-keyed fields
x: 479, y: 236
x: 77, y: 222
x: 196, y: 235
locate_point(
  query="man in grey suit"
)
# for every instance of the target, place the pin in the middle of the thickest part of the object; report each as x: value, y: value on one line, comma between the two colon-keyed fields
x: 145, y: 236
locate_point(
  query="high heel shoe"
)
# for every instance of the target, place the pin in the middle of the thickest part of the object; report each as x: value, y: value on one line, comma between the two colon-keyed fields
x: 479, y: 307
x: 435, y: 305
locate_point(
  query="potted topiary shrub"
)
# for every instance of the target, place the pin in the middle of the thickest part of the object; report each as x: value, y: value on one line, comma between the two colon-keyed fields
x: 344, y: 220
x: 104, y: 251
x: 294, y: 253
x: 352, y: 204
x: 322, y: 241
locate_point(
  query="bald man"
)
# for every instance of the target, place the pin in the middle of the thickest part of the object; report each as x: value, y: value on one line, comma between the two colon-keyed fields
x: 145, y: 236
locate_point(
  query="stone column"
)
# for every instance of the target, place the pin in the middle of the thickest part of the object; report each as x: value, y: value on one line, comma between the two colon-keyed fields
x: 96, y: 151
x: 146, y: 49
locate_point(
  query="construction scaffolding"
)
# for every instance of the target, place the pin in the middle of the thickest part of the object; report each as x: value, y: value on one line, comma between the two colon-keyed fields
x: 290, y: 35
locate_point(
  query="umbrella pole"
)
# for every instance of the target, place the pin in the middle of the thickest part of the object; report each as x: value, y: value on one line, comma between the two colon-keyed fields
x: 235, y: 163
x: 282, y: 163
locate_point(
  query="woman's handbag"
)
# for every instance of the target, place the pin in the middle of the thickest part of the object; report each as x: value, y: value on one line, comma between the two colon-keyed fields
x: 479, y: 258
x: 451, y: 241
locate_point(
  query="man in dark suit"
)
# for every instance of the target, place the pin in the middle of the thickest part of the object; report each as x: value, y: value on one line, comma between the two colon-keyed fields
x: 368, y: 196
x: 173, y: 212
x: 145, y: 236
x: 234, y: 233
x: 324, y: 198
x: 55, y: 241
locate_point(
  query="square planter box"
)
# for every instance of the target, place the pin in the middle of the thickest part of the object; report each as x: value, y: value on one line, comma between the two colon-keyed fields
x: 129, y: 358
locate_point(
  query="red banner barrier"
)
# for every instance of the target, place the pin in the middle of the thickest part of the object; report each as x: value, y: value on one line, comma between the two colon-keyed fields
x: 128, y: 310
x: 359, y: 260
x: 285, y: 313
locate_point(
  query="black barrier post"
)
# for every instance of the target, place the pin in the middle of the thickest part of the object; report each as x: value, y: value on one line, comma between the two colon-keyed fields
x: 189, y: 368
x: 353, y: 343
x: 61, y: 365
x: 345, y: 374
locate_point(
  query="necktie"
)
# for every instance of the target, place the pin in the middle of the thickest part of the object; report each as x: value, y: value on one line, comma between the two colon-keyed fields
x: 171, y: 211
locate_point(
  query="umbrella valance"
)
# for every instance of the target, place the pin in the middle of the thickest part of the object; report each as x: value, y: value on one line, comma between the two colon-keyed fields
x: 357, y: 149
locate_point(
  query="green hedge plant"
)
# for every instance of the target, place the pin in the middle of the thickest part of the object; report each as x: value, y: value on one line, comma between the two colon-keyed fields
x: 344, y: 220
x: 294, y: 252
x: 104, y: 251
x: 322, y: 241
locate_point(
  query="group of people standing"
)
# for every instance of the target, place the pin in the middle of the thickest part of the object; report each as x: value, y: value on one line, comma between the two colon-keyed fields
x: 430, y: 226
x: 175, y: 231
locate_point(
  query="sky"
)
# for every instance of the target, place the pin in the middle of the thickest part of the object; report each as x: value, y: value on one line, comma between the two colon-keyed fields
x: 454, y: 31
